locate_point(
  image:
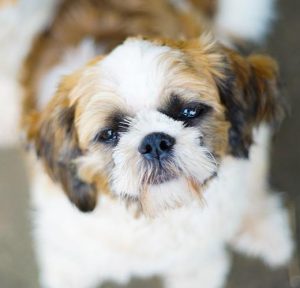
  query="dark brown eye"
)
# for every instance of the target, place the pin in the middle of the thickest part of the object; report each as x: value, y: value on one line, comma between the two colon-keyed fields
x: 189, y: 113
x: 107, y: 136
x: 192, y: 111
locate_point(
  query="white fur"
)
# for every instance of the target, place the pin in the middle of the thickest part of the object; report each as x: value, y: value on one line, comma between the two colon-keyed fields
x: 80, y: 250
x: 141, y: 73
x: 83, y: 250
x: 135, y: 75
x: 137, y: 71
x: 19, y: 24
x: 190, y: 241
x: 188, y: 154
x: 246, y: 19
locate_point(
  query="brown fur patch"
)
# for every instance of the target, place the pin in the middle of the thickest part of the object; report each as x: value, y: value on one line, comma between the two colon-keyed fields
x: 248, y: 89
x: 241, y: 92
x: 5, y: 3
x: 108, y: 22
x: 56, y: 143
x: 250, y: 93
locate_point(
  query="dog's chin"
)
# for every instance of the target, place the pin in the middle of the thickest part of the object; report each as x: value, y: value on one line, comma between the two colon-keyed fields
x: 167, y: 193
x: 159, y: 188
x: 160, y: 176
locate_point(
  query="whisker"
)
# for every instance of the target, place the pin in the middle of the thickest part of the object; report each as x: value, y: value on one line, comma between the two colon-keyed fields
x: 211, y: 157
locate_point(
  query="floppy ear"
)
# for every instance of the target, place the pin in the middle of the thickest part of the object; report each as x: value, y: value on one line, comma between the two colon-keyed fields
x: 56, y: 143
x: 250, y: 92
x: 248, y: 87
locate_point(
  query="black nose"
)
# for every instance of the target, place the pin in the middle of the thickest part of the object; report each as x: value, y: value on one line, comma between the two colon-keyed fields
x: 157, y: 146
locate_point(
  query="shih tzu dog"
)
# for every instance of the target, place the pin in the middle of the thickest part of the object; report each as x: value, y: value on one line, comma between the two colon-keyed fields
x: 163, y: 138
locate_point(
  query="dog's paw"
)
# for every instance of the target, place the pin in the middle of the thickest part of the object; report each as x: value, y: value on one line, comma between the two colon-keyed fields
x: 207, y: 272
x: 267, y: 235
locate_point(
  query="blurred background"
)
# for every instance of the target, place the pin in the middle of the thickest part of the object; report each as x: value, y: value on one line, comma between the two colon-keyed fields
x: 17, y: 263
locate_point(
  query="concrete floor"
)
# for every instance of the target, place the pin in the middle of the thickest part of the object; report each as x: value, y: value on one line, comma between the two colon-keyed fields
x: 17, y: 264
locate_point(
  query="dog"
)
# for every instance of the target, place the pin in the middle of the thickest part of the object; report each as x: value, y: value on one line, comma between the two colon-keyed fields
x: 148, y: 142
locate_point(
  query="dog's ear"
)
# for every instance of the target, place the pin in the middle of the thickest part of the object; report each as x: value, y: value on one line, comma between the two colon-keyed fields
x: 249, y: 91
x: 248, y: 88
x: 55, y: 140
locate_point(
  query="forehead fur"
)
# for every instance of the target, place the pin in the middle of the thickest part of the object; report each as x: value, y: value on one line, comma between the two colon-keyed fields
x: 136, y: 71
x: 140, y: 75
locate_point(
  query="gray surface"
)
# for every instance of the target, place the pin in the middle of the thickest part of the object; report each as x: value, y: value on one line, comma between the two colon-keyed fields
x: 17, y: 265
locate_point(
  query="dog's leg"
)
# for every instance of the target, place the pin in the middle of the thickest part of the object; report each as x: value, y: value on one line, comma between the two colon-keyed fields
x: 265, y: 233
x: 209, y: 272
x: 62, y: 268
x: 264, y: 230
x: 65, y: 259
x: 60, y: 273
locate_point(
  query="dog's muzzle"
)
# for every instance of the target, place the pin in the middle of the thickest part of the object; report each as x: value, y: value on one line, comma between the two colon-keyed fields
x: 157, y: 146
x: 157, y: 150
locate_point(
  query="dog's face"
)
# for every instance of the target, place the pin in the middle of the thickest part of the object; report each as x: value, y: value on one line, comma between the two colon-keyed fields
x: 152, y: 121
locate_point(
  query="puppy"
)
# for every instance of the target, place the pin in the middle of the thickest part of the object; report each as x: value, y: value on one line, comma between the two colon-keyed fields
x: 163, y: 138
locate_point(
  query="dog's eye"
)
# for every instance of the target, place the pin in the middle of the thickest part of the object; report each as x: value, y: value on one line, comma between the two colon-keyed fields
x: 189, y: 112
x: 107, y: 136
x: 192, y: 111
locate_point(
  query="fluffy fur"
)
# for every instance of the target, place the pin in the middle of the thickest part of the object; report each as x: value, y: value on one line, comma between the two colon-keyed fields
x: 20, y: 21
x: 189, y: 241
x: 169, y: 217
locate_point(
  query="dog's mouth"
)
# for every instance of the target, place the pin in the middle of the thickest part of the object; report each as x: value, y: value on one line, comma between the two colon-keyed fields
x: 166, y: 185
x: 160, y: 172
x: 159, y: 176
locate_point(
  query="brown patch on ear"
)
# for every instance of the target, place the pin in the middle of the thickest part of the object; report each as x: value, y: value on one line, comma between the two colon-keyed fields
x: 248, y: 87
x: 56, y: 143
x: 271, y: 106
x: 5, y: 3
x: 209, y: 7
x: 249, y: 91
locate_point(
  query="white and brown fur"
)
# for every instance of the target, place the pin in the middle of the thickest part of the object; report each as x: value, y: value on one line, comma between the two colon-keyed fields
x: 81, y: 78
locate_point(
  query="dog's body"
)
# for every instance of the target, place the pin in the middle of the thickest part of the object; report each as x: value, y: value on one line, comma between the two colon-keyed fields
x: 186, y: 246
x: 194, y: 214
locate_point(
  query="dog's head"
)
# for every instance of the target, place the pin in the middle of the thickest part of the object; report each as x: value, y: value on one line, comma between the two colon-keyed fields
x: 152, y: 121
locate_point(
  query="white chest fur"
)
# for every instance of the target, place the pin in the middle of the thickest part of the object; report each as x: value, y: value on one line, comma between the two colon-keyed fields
x: 114, y: 244
x: 81, y: 250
